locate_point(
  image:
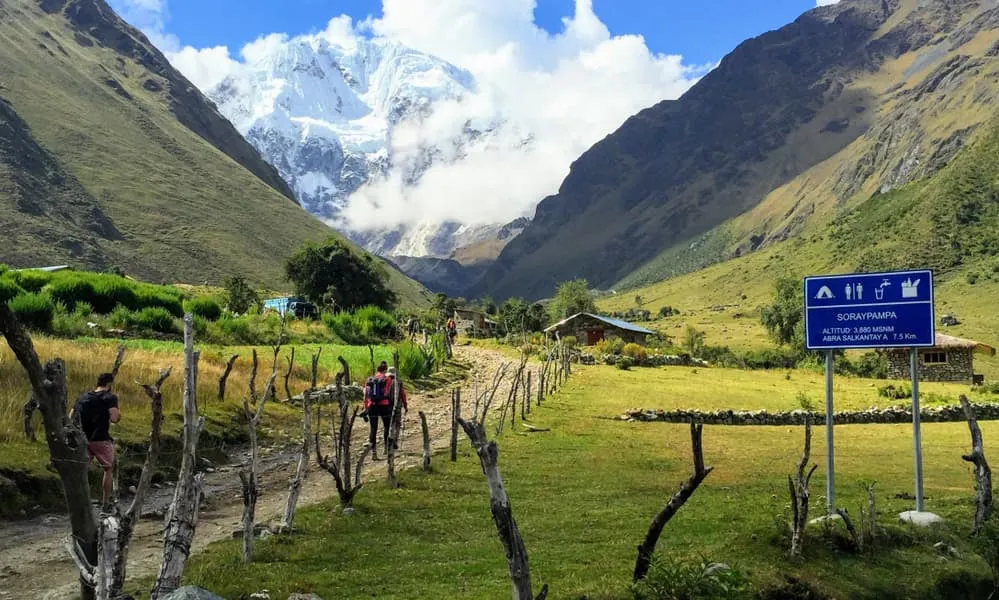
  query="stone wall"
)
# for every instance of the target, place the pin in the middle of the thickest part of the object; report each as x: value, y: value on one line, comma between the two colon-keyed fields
x: 959, y: 366
x: 893, y: 414
x: 652, y: 360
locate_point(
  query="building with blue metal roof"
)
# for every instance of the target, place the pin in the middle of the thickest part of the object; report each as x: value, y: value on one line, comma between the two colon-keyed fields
x: 588, y: 329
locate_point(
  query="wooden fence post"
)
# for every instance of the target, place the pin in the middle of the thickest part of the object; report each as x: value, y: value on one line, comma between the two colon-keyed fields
x: 455, y: 416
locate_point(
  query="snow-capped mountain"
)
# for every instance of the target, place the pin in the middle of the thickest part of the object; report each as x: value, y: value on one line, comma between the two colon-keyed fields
x: 324, y: 115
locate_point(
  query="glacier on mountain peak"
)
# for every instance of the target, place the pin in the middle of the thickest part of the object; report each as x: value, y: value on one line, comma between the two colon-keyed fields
x: 328, y: 115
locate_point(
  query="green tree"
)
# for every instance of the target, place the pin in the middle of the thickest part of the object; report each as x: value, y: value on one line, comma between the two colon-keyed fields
x: 519, y: 316
x: 331, y: 274
x: 784, y: 318
x: 693, y: 341
x: 239, y: 294
x: 572, y: 297
x: 443, y: 307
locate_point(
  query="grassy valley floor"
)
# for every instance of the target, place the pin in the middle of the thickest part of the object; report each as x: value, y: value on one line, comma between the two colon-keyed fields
x: 584, y: 493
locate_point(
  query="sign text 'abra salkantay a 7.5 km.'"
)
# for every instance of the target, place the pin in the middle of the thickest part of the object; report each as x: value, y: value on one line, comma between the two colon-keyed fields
x: 869, y: 310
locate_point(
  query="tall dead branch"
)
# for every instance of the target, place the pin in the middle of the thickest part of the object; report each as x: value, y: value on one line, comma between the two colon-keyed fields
x: 287, y: 375
x: 345, y: 371
x: 983, y: 474
x: 182, y: 516
x: 499, y: 506
x: 346, y: 486
x: 302, y: 469
x: 66, y: 442
x: 799, y: 489
x: 248, y: 475
x: 225, y: 376
x: 455, y: 415
x: 687, y: 489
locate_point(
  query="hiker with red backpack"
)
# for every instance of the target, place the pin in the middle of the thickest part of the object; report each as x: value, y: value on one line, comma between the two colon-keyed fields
x: 378, y: 404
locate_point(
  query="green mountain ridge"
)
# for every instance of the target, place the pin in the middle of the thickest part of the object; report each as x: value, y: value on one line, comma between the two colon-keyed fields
x: 109, y: 156
x: 791, y: 129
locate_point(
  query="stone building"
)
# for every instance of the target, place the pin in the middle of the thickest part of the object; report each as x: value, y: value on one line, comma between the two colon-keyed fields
x: 473, y: 323
x: 950, y: 359
x: 588, y: 329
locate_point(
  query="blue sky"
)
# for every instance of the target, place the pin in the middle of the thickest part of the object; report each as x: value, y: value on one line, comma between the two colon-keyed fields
x: 702, y: 33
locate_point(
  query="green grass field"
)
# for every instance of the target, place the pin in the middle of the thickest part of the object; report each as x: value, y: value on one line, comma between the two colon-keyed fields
x: 584, y: 493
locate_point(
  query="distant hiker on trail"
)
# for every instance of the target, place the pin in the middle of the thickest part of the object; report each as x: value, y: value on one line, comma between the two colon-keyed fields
x: 378, y: 405
x: 452, y: 329
x: 96, y: 410
x: 411, y: 328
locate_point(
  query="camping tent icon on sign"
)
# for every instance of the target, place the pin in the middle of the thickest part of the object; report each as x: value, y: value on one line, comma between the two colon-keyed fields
x: 824, y: 293
x: 910, y: 288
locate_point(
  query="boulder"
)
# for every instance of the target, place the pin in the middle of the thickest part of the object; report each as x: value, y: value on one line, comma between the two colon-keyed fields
x: 304, y: 597
x: 921, y: 519
x: 190, y: 592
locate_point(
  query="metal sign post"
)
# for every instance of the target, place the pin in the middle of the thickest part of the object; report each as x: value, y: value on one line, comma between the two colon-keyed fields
x: 917, y: 438
x: 830, y: 470
x: 870, y: 310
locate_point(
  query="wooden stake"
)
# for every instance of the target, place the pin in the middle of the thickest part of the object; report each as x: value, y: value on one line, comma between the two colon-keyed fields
x: 455, y: 417
x: 983, y: 474
x: 426, y: 442
x: 182, y: 516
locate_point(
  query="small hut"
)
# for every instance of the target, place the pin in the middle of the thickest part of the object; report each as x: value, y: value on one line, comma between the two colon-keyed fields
x: 949, y: 359
x: 472, y: 323
x: 588, y: 329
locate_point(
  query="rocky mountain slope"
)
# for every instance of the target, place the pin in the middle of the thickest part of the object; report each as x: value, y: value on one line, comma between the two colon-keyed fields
x: 327, y: 115
x: 109, y: 156
x: 850, y: 100
x: 461, y: 272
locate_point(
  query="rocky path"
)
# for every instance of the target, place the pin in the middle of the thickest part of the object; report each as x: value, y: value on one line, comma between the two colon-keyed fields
x: 35, y: 564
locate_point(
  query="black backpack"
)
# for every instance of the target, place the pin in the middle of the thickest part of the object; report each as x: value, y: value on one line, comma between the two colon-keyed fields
x: 378, y: 389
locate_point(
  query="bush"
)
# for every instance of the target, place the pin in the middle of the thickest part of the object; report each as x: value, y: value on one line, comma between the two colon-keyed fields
x: 150, y: 296
x: 892, y: 392
x: 415, y: 362
x: 990, y: 388
x: 611, y: 345
x: 155, y: 318
x: 69, y: 325
x: 82, y: 309
x: 569, y: 341
x: 673, y: 579
x: 872, y: 365
x: 70, y: 290
x: 364, y: 326
x: 121, y: 318
x: 29, y: 281
x: 34, y: 311
x: 635, y: 352
x: 206, y: 308
x: 668, y: 311
x: 8, y: 290
x: 624, y: 363
x: 971, y: 278
x: 375, y: 322
x: 110, y: 292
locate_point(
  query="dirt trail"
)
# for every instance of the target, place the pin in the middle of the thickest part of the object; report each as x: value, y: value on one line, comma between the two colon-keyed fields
x: 35, y: 564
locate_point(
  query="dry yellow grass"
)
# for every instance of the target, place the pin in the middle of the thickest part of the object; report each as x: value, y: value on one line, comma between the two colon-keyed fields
x: 84, y: 361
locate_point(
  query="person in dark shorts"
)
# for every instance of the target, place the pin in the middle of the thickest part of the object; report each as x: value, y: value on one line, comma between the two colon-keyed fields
x: 96, y: 410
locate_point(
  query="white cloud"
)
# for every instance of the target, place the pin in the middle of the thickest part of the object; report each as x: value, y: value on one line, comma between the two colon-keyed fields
x: 566, y: 91
x: 826, y: 2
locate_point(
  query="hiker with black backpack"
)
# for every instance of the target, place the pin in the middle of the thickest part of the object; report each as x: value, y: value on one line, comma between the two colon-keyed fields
x: 95, y: 410
x: 378, y: 405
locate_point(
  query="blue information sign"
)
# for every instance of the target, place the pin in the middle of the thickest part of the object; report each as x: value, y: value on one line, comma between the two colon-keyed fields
x: 869, y: 310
